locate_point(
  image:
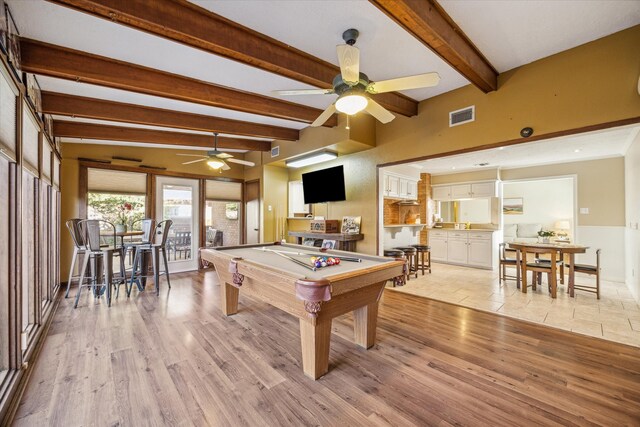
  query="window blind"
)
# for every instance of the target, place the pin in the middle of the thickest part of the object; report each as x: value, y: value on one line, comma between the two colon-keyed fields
x: 7, y: 114
x: 111, y: 181
x: 220, y: 190
x: 30, y: 131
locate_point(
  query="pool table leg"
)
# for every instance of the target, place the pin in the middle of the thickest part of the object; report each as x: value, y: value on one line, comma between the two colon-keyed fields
x: 315, y: 341
x: 365, y: 319
x: 229, y: 299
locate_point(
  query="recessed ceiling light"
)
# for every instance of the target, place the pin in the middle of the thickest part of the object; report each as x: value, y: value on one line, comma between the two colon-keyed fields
x: 453, y: 167
x: 500, y: 148
x: 577, y: 150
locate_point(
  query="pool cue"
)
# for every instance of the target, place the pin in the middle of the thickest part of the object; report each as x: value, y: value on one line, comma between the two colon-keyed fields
x: 297, y: 261
x: 351, y: 259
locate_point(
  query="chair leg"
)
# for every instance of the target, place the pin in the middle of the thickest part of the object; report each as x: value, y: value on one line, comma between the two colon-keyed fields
x: 73, y: 265
x: 166, y: 267
x: 85, y: 262
x: 136, y: 260
x: 156, y: 268
x: 598, y: 285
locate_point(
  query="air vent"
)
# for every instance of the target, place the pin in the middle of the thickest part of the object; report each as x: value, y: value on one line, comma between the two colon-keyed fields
x: 275, y: 151
x: 462, y: 116
x: 482, y: 164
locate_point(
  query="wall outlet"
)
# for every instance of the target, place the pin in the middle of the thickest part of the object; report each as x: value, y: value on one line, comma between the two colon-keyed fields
x: 584, y: 211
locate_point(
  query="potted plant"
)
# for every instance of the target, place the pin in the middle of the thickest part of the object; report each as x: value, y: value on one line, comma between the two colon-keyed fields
x: 546, y: 234
x: 124, y: 211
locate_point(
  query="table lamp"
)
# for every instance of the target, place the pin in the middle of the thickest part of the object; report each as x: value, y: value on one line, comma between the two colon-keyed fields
x: 563, y: 227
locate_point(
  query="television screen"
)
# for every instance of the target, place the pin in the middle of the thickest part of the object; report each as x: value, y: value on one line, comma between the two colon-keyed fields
x: 326, y: 185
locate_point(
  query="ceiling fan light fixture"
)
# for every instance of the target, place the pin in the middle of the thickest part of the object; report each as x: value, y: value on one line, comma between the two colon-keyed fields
x: 351, y: 103
x: 215, y: 163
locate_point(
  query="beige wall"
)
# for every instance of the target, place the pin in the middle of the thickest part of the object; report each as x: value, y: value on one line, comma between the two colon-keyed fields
x: 632, y: 233
x: 600, y: 187
x: 160, y: 157
x: 274, y: 195
x: 482, y: 175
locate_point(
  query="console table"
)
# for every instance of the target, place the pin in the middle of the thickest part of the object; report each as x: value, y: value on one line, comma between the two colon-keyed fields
x: 346, y: 242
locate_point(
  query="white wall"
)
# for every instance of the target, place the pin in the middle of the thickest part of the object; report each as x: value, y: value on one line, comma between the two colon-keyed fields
x: 400, y: 236
x: 611, y: 240
x: 545, y: 201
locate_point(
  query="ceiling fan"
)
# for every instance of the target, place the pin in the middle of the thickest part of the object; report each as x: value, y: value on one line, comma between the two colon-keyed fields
x: 353, y: 87
x: 217, y: 159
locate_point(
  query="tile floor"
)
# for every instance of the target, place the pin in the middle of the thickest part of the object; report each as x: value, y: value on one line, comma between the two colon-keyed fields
x: 615, y: 317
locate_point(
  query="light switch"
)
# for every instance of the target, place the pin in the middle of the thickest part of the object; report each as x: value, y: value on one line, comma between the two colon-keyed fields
x: 269, y: 208
x: 584, y: 211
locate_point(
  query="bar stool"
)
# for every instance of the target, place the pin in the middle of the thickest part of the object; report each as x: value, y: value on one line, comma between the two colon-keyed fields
x: 397, y: 253
x: 412, y: 259
x: 78, y: 249
x: 421, y: 263
x: 153, y: 249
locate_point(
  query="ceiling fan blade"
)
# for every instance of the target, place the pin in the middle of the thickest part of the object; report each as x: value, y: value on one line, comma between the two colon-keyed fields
x: 324, y: 116
x: 241, y: 162
x: 225, y: 167
x: 195, y: 161
x: 191, y: 155
x: 303, y: 92
x: 349, y: 60
x: 224, y: 156
x: 404, y: 83
x: 379, y: 112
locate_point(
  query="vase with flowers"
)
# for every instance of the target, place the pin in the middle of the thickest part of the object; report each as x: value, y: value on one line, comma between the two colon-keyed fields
x: 124, y: 211
x: 546, y: 235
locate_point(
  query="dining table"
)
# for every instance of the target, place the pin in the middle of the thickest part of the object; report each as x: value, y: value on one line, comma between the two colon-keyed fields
x: 132, y: 233
x: 564, y: 248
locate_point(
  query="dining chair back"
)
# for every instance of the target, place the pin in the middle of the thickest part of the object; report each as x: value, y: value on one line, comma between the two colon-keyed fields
x: 593, y: 270
x: 508, y: 260
x: 537, y: 268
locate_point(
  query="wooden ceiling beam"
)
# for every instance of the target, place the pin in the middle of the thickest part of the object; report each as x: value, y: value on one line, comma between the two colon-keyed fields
x: 194, y: 26
x: 430, y: 24
x: 61, y: 62
x: 78, y: 106
x: 66, y: 129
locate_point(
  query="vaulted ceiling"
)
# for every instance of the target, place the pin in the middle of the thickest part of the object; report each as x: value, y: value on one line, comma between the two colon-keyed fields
x: 170, y: 72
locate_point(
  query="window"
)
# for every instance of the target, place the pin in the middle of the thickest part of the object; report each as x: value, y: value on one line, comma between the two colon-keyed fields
x: 106, y: 199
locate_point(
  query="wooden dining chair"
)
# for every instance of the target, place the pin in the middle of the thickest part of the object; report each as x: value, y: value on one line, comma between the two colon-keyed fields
x: 508, y: 261
x: 537, y: 268
x: 593, y: 270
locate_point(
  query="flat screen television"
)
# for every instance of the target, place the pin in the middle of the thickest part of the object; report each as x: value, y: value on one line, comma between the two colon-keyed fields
x: 325, y: 185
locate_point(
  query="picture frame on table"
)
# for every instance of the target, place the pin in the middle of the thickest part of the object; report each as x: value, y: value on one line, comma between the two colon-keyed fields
x: 351, y: 224
x: 4, y: 27
x: 329, y: 244
x: 13, y: 44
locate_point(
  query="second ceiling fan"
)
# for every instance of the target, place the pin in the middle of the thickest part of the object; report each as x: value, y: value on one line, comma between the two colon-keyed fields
x: 216, y: 159
x: 353, y: 87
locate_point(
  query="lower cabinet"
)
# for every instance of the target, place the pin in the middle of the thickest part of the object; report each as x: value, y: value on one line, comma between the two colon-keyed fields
x: 463, y: 247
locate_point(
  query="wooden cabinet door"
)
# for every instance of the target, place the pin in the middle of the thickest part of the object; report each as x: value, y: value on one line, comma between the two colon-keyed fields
x: 412, y: 189
x: 403, y: 186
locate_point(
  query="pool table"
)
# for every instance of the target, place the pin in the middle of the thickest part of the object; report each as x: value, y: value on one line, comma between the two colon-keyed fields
x: 314, y: 297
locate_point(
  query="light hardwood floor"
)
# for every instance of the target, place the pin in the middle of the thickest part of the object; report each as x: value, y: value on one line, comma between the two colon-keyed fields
x: 176, y: 360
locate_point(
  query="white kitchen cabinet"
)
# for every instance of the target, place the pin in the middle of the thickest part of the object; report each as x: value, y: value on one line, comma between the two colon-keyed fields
x: 483, y: 189
x: 399, y: 187
x: 441, y: 193
x: 412, y: 189
x: 470, y: 248
x: 391, y: 185
x: 462, y: 191
x: 457, y: 250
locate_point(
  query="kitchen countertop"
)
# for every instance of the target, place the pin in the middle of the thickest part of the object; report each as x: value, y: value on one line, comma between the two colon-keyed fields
x: 404, y: 225
x: 471, y: 229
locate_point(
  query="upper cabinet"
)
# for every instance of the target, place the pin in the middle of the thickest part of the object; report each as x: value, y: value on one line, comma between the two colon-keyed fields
x: 464, y: 191
x: 400, y: 187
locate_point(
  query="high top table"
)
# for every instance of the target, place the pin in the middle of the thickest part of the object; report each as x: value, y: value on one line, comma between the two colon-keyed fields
x: 563, y: 248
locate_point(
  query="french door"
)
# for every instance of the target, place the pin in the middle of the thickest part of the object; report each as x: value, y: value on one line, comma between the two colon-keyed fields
x: 177, y: 200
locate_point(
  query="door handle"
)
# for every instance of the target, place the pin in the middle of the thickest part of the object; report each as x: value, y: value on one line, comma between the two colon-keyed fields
x: 256, y: 229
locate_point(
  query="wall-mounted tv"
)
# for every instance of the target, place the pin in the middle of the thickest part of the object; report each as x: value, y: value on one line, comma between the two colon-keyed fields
x: 326, y: 185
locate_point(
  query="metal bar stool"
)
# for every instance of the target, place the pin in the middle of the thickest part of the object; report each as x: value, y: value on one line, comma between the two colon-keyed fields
x: 78, y: 249
x: 424, y: 251
x: 412, y: 259
x: 398, y: 254
x: 153, y: 249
